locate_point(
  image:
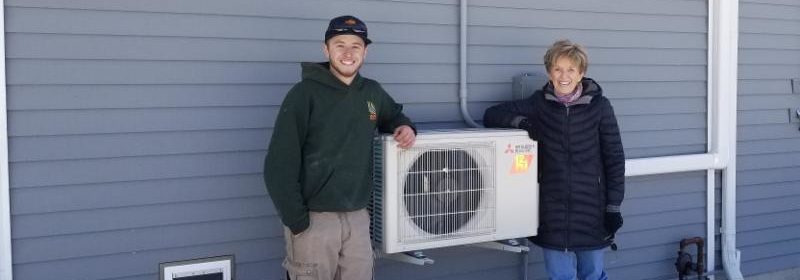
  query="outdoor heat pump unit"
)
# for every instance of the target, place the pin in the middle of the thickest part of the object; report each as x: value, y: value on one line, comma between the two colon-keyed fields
x: 454, y: 187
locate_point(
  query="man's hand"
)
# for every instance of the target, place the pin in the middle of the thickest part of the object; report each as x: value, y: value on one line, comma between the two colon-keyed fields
x: 404, y: 136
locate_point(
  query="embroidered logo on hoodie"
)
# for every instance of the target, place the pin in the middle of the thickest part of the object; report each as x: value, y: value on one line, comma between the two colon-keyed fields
x: 373, y: 115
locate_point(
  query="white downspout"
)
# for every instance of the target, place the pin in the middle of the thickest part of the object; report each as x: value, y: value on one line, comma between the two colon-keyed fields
x: 5, y: 199
x: 462, y: 67
x: 726, y: 37
x: 725, y: 43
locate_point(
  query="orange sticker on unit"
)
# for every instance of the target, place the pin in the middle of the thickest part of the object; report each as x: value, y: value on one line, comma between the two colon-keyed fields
x: 522, y: 162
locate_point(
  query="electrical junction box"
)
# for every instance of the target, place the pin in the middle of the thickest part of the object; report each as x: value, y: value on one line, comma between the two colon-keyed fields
x: 523, y: 85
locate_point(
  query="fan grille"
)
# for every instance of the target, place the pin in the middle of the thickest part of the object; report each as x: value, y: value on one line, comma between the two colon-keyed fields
x: 448, y: 191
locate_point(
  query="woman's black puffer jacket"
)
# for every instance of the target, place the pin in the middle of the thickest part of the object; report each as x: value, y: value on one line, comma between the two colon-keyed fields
x: 581, y: 163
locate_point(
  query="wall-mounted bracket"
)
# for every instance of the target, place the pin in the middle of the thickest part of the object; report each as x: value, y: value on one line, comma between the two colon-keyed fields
x: 415, y: 257
x: 510, y: 245
x: 794, y: 115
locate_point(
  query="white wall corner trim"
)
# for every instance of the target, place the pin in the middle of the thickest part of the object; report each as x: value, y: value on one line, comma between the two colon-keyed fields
x: 5, y: 199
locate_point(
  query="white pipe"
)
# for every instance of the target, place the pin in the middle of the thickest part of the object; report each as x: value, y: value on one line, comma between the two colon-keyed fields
x: 670, y: 164
x: 711, y: 234
x: 462, y: 67
x: 5, y: 199
x: 711, y: 204
x: 725, y: 38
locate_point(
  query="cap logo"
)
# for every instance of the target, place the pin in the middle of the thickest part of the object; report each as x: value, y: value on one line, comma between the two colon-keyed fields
x: 350, y: 21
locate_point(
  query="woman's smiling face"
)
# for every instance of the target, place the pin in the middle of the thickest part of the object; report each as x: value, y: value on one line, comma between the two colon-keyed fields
x: 565, y: 75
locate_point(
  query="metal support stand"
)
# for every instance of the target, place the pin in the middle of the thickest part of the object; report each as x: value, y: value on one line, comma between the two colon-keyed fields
x: 415, y: 257
x: 510, y: 245
x: 419, y: 258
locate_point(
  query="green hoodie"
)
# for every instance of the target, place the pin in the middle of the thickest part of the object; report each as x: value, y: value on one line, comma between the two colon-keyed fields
x: 319, y: 158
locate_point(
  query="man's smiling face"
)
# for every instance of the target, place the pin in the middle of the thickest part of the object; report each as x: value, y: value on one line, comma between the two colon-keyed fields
x: 346, y: 54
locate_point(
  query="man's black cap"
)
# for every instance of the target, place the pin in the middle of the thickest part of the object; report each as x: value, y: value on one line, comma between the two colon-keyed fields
x: 347, y: 25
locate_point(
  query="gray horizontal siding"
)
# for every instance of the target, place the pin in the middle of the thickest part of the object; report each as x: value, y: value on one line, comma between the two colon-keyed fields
x: 766, y: 102
x: 67, y: 198
x: 138, y: 128
x: 769, y: 161
x: 60, y: 97
x: 62, y: 72
x: 769, y: 146
x: 776, y: 263
x: 764, y: 176
x: 767, y: 132
x: 132, y: 217
x: 768, y: 152
x: 749, y: 87
x: 73, y: 147
x: 134, y: 168
x: 766, y: 221
x: 96, y: 121
x: 244, y: 270
x: 142, y: 239
x: 137, y: 263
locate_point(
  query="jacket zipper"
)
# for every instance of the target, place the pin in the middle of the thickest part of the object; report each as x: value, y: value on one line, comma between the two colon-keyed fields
x: 569, y: 178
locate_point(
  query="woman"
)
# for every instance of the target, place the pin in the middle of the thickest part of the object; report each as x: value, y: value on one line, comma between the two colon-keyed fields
x: 581, y: 163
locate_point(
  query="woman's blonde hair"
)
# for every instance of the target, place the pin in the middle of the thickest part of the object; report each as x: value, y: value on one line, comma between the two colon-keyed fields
x: 568, y: 49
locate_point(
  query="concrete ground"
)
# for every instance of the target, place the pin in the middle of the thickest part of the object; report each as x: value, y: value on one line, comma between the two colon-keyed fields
x: 790, y: 274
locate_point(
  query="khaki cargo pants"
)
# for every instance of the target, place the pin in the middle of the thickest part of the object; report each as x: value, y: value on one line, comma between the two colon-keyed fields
x: 335, y: 247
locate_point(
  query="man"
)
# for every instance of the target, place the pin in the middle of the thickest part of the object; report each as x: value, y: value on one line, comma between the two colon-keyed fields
x: 318, y: 167
x: 581, y: 160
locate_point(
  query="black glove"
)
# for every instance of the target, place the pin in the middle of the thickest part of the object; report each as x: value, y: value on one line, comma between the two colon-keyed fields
x: 527, y: 126
x: 613, y: 222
